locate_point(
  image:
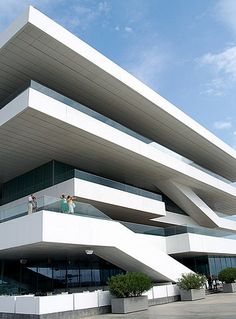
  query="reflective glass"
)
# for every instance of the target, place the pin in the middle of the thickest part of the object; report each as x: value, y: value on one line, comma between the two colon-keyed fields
x: 41, y: 276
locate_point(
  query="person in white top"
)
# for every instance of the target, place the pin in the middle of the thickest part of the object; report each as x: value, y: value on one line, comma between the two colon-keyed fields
x: 30, y: 204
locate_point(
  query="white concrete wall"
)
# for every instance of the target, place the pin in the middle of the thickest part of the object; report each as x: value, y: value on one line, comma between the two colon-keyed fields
x: 176, y: 219
x: 84, y: 122
x: 60, y: 303
x: 127, y: 250
x: 158, y: 241
x: 109, y: 239
x: 14, y: 107
x: 186, y: 243
x: 115, y: 197
x: 27, y: 304
x: 7, y: 304
x: 15, y: 233
x: 85, y: 300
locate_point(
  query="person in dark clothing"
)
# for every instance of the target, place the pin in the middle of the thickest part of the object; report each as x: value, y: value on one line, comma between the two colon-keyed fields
x: 210, y: 281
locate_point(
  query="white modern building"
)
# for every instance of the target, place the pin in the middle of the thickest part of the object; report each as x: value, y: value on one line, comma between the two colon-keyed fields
x: 153, y: 188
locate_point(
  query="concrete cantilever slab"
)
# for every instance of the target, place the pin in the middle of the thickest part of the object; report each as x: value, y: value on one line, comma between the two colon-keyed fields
x: 111, y: 240
x: 191, y: 203
x: 68, y: 135
x: 36, y: 47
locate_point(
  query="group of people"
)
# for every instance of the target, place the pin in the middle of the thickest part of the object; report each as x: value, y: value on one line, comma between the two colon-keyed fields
x: 213, y: 282
x: 67, y: 204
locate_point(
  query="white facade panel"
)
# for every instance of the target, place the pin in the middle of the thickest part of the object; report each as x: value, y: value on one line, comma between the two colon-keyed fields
x: 115, y: 197
x: 195, y: 243
x: 7, y: 304
x: 27, y: 305
x: 86, y: 300
x: 108, y: 239
x: 59, y: 303
x: 13, y: 234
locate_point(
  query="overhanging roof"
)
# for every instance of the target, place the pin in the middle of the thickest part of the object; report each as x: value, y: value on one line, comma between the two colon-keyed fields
x: 35, y: 47
x: 35, y: 128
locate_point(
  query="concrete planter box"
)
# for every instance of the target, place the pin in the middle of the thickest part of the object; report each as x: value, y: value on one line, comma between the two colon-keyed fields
x: 126, y: 305
x: 229, y: 287
x: 192, y: 294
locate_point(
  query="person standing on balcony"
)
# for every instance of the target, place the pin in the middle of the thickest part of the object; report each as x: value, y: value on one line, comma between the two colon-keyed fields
x: 63, y: 203
x: 30, y: 204
x: 71, y: 204
x: 34, y: 204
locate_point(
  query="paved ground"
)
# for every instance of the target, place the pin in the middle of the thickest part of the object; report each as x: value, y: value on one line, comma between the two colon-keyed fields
x: 215, y: 306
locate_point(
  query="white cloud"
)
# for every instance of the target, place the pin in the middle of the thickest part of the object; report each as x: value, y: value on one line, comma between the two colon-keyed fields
x: 223, y: 125
x: 69, y: 13
x: 226, y: 13
x: 223, y: 68
x: 82, y: 14
x: 147, y: 63
x: 224, y: 61
x: 104, y: 7
x: 222, y: 65
x: 10, y: 9
x: 128, y: 29
x: 215, y: 87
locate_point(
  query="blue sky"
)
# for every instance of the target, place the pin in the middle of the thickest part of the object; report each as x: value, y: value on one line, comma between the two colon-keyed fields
x: 184, y: 49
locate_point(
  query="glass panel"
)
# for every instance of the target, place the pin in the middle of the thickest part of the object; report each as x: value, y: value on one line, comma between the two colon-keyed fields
x: 174, y: 230
x: 144, y: 229
x: 41, y: 277
x: 212, y: 266
x: 55, y: 172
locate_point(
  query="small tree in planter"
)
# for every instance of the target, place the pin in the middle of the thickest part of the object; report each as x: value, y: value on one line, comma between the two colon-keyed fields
x: 192, y: 286
x: 228, y: 277
x: 128, y: 289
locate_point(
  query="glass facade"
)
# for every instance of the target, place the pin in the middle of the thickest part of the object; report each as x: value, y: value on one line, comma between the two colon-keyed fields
x: 217, y: 263
x: 56, y: 172
x: 208, y: 265
x: 171, y: 206
x: 25, y: 276
x: 39, y: 178
x: 177, y: 230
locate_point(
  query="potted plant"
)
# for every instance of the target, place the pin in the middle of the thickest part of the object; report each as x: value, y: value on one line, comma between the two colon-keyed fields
x: 228, y: 277
x: 192, y: 286
x: 127, y: 289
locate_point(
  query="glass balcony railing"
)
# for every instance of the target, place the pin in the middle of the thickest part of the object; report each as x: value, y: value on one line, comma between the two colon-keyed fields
x: 50, y: 204
x: 144, y: 229
x: 75, y: 173
x: 84, y: 209
x: 176, y: 230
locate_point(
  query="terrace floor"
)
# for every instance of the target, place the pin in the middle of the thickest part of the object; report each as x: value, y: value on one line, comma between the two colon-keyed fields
x: 215, y: 306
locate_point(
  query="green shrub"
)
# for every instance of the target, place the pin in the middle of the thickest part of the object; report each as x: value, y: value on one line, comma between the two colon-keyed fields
x: 131, y: 284
x: 228, y: 275
x: 191, y: 281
